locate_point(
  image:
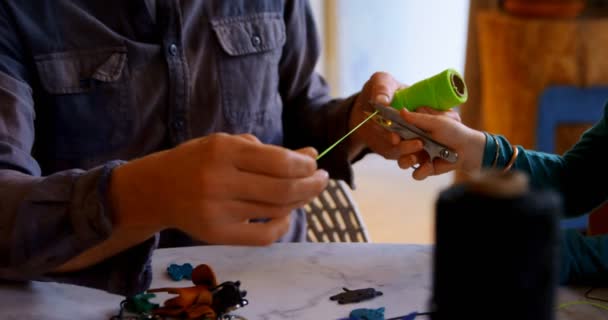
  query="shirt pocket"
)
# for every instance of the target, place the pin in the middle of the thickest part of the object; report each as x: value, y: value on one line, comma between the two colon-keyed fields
x: 83, y: 105
x: 248, y: 62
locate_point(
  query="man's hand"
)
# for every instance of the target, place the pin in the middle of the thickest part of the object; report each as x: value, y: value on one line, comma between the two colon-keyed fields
x: 444, y: 127
x: 379, y: 89
x: 212, y: 187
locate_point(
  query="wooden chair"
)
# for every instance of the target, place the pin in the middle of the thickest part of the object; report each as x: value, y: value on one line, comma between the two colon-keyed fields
x: 334, y: 217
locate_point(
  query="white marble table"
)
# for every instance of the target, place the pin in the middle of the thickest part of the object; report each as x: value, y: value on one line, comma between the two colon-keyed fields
x: 283, y: 281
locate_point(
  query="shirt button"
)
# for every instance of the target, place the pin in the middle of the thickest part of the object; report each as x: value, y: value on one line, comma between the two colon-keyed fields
x: 173, y: 49
x: 178, y: 124
x: 256, y: 40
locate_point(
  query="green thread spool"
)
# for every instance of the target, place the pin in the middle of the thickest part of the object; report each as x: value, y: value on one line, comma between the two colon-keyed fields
x: 442, y: 92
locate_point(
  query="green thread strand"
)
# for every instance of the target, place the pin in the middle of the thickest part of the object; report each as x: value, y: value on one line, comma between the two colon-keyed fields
x: 348, y: 134
x: 572, y: 303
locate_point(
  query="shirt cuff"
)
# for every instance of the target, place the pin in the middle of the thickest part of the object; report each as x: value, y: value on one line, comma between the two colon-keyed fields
x: 71, y: 215
x: 127, y: 273
x: 489, y: 152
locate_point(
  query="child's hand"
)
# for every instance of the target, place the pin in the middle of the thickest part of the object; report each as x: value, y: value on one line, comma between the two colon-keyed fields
x: 446, y: 128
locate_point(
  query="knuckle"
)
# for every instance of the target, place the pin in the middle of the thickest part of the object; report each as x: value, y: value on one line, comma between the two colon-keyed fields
x: 391, y: 153
x: 308, y: 167
x: 215, y: 142
x: 218, y: 135
x: 287, y: 165
x: 288, y: 190
x: 381, y: 88
x: 295, y: 165
x: 410, y: 146
x: 251, y: 137
x: 379, y: 75
x: 310, y: 151
x: 283, y: 163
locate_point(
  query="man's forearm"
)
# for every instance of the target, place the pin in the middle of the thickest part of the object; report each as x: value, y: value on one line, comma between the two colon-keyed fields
x: 122, y: 238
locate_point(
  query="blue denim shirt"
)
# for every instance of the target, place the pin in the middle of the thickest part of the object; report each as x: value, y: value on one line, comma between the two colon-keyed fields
x: 88, y: 84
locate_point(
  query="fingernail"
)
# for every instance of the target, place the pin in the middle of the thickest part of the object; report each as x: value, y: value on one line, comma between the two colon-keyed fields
x: 395, y: 139
x: 382, y: 99
x: 323, y: 173
x: 413, y: 159
x: 315, y: 153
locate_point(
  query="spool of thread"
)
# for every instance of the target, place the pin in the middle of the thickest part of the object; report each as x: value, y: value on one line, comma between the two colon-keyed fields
x: 496, y: 250
x: 441, y: 91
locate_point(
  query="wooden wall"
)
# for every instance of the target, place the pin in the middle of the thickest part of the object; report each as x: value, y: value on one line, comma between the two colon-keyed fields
x: 521, y: 57
x: 510, y: 60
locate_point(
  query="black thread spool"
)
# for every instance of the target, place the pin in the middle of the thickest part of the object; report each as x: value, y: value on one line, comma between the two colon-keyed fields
x: 496, y: 250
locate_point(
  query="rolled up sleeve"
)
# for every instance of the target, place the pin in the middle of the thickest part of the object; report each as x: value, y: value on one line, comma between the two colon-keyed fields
x: 48, y: 221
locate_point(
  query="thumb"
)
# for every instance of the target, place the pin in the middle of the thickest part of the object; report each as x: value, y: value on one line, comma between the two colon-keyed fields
x: 309, y: 151
x: 426, y: 122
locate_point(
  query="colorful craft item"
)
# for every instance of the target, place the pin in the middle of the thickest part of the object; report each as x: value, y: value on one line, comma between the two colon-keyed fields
x: 139, y: 303
x: 410, y: 316
x: 179, y: 272
x: 353, y: 296
x: 205, y: 300
x: 367, y: 314
x: 378, y: 314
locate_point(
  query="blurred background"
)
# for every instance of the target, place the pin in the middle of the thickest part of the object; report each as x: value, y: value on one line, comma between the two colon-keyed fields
x: 535, y: 71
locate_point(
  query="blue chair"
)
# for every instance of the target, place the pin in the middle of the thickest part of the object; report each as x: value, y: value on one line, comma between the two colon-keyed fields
x: 568, y: 105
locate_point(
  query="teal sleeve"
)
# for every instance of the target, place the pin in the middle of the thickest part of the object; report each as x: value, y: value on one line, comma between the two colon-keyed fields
x: 584, y: 259
x: 571, y: 174
x: 489, y: 153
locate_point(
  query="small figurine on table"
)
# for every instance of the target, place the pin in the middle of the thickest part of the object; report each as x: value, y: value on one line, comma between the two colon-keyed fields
x: 205, y: 300
x: 358, y: 295
x: 140, y: 303
x: 367, y: 314
x: 178, y: 272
